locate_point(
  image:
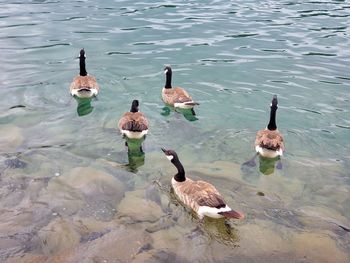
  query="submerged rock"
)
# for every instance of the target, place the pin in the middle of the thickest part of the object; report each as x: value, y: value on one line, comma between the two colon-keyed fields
x: 317, y: 247
x: 27, y: 258
x: 10, y: 138
x: 261, y: 239
x: 136, y: 207
x: 152, y: 194
x: 91, y: 236
x: 86, y: 190
x: 158, y: 256
x: 323, y: 218
x: 89, y: 180
x: 120, y: 245
x: 19, y: 226
x: 57, y: 236
x: 15, y: 163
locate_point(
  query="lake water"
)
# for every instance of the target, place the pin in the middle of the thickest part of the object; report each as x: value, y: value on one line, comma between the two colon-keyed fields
x: 69, y: 190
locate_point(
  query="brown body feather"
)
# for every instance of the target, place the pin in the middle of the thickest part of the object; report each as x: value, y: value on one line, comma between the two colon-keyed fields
x: 83, y: 82
x: 272, y: 140
x: 175, y: 95
x: 133, y: 121
x: 197, y: 193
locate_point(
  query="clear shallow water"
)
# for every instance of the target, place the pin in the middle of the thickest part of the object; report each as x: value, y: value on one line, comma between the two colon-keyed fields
x: 73, y: 198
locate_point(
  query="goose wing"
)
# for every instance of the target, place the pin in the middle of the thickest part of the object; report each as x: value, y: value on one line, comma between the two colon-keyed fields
x: 210, y: 196
x: 181, y: 95
x: 272, y: 140
x: 176, y: 95
x: 203, y: 194
x: 133, y: 121
x: 84, y: 82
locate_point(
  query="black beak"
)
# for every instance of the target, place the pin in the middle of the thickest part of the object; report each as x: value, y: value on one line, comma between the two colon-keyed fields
x: 163, y: 150
x: 274, y: 100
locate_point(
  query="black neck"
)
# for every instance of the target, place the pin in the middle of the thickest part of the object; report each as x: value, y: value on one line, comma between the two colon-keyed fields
x: 134, y: 108
x: 168, y: 80
x: 82, y: 66
x: 180, y: 176
x: 272, y: 124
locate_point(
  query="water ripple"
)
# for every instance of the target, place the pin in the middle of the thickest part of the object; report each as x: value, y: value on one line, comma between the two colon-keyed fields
x: 308, y: 110
x: 143, y: 43
x: 319, y: 54
x: 70, y: 18
x: 19, y: 25
x: 242, y: 35
x: 91, y: 32
x: 48, y: 46
x: 342, y: 126
x: 336, y: 29
x: 118, y: 53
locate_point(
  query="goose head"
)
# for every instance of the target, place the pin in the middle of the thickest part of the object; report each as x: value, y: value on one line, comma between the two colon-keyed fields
x: 82, y: 53
x: 134, y: 106
x: 274, y: 102
x: 170, y: 154
x: 167, y: 70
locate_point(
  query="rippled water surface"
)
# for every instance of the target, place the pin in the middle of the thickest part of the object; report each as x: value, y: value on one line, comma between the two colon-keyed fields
x: 71, y: 192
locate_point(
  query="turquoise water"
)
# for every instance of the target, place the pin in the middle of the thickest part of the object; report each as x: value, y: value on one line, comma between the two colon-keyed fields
x: 69, y: 190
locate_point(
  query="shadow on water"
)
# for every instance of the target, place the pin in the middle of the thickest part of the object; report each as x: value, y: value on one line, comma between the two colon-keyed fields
x: 136, y: 155
x: 189, y: 114
x: 84, y: 106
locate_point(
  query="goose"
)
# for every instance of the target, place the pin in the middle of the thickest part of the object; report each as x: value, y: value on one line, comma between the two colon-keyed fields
x: 176, y: 97
x: 133, y: 124
x: 200, y: 196
x: 83, y: 85
x: 269, y: 141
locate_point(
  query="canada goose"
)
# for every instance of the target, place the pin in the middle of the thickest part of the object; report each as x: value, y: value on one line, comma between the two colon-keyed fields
x: 269, y: 141
x: 200, y: 196
x: 133, y: 124
x: 83, y: 85
x: 176, y: 97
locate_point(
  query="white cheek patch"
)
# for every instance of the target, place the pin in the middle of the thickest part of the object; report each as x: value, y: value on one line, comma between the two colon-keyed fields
x: 165, y: 71
x: 170, y: 157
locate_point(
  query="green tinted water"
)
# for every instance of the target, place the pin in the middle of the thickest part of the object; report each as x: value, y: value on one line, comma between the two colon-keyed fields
x: 81, y: 197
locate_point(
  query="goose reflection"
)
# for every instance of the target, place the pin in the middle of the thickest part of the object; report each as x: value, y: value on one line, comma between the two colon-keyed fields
x: 222, y: 231
x: 189, y: 114
x: 84, y: 106
x: 136, y: 155
x: 267, y: 165
x: 219, y: 230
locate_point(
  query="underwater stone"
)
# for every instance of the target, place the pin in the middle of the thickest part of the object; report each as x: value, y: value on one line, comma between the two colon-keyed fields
x: 135, y: 206
x: 15, y: 163
x: 10, y: 138
x: 119, y: 245
x: 57, y: 236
